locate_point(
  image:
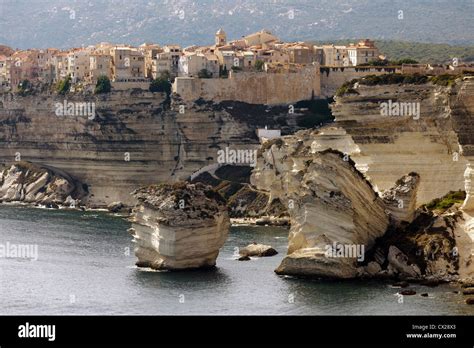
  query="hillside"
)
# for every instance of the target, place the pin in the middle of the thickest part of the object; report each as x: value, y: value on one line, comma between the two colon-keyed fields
x: 65, y: 23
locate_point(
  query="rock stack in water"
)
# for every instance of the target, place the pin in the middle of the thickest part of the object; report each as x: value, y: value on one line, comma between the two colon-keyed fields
x: 330, y: 204
x: 179, y: 226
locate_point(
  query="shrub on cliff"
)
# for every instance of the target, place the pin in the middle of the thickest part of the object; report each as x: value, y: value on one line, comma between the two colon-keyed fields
x: 346, y: 88
x: 403, y: 61
x: 385, y: 62
x: 103, y: 85
x: 391, y: 79
x: 446, y: 202
x: 160, y: 84
x: 64, y: 86
x: 204, y: 74
x: 24, y: 87
x: 259, y: 65
x: 223, y: 72
x: 444, y: 80
x: 378, y: 62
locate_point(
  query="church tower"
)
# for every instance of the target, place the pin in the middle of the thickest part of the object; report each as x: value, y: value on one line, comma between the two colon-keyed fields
x: 221, y: 37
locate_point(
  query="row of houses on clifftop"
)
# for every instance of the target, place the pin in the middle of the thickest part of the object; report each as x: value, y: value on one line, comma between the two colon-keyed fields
x: 261, y: 51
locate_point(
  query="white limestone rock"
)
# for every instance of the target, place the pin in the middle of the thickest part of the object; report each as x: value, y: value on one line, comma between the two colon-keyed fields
x: 258, y: 250
x: 469, y: 186
x: 178, y: 227
x: 30, y: 183
x: 329, y: 201
x: 400, y: 200
x: 398, y: 262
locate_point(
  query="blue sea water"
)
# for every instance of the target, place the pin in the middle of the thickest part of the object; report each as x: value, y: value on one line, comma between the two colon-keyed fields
x: 85, y: 265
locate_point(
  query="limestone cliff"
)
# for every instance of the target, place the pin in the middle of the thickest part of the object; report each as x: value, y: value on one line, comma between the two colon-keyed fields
x: 333, y: 208
x: 437, y: 144
x: 434, y: 145
x: 180, y: 226
x: 28, y: 183
x: 329, y: 202
x: 135, y: 137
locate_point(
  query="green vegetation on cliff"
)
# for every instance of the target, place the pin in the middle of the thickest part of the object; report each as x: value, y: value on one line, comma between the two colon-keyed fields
x: 64, y: 86
x: 391, y: 79
x: 103, y: 85
x: 161, y: 84
x: 24, y: 87
x: 446, y: 202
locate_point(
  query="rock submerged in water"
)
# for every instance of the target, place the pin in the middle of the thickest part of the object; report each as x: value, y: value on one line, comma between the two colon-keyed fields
x: 259, y: 250
x: 115, y: 207
x: 179, y: 226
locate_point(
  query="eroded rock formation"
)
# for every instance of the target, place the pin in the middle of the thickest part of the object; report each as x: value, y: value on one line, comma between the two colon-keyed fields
x: 180, y: 226
x: 436, y: 144
x: 28, y: 183
x: 135, y: 138
x: 259, y: 250
x: 328, y: 200
x: 413, y: 242
x: 400, y: 200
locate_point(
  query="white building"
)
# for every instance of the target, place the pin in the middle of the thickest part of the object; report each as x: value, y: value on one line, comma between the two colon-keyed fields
x: 362, y: 53
x: 265, y: 134
x: 191, y: 64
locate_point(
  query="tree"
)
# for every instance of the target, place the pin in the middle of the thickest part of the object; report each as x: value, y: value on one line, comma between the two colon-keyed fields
x: 64, y: 85
x: 378, y: 62
x: 259, y: 65
x: 103, y: 85
x: 204, y: 74
x: 223, y: 71
x: 160, y: 84
x: 165, y: 75
x: 24, y: 87
x: 403, y: 61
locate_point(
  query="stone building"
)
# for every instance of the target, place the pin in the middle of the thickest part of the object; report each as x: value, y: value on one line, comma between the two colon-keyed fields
x: 78, y: 64
x: 221, y: 38
x: 335, y: 55
x: 150, y: 51
x: 100, y: 65
x: 263, y: 37
x: 362, y: 53
x: 127, y: 63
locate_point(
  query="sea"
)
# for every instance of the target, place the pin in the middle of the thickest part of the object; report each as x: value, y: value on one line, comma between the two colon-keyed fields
x: 63, y: 262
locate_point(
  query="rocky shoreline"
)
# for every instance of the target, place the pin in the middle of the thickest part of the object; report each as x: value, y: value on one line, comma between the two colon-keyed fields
x: 366, y: 197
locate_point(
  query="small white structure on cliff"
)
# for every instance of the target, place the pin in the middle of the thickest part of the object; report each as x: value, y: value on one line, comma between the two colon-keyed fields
x: 268, y: 134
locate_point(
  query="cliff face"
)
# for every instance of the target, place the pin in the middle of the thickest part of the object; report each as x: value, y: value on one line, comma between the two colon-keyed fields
x: 434, y: 146
x: 28, y: 183
x: 135, y: 138
x: 329, y: 202
x: 180, y: 226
